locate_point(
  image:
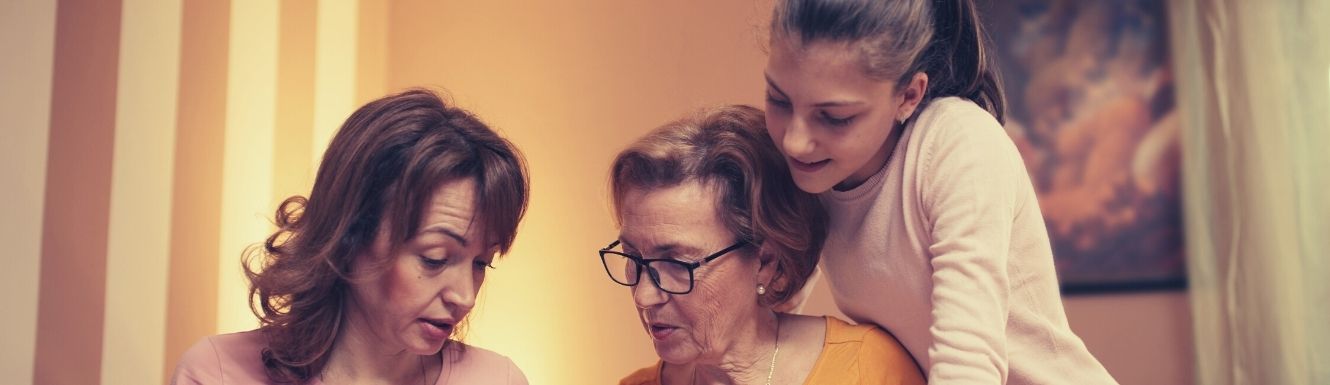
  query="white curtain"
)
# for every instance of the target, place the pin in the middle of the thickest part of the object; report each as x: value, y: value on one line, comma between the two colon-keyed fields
x: 1253, y: 82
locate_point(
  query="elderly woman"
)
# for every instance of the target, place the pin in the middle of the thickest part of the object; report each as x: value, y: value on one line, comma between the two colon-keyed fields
x: 368, y: 279
x: 713, y: 235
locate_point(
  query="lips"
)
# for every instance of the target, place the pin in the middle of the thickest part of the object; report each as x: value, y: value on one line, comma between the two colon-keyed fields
x: 436, y: 328
x: 808, y: 167
x: 661, y: 331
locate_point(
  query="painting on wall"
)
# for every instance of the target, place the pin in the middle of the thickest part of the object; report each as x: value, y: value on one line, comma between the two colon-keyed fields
x: 1091, y: 108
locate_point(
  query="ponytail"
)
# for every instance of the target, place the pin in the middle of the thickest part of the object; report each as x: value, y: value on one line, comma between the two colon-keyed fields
x: 958, y: 61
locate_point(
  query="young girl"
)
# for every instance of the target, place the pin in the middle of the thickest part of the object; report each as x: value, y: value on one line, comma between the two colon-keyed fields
x: 892, y: 112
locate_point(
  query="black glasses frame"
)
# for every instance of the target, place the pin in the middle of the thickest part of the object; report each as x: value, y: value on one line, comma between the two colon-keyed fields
x: 644, y: 264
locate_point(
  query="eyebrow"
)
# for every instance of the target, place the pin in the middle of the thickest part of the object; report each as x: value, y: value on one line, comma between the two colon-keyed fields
x: 829, y: 103
x: 444, y: 231
x: 839, y: 103
x: 660, y: 249
x: 772, y: 84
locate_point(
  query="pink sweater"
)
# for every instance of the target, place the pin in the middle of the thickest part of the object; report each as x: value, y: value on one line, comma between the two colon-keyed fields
x: 947, y: 249
x: 234, y: 359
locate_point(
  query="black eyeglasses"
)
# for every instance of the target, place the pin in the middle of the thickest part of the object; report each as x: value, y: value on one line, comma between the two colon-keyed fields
x: 670, y: 275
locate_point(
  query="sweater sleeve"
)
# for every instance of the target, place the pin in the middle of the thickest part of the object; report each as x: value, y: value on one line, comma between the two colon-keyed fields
x: 967, y: 196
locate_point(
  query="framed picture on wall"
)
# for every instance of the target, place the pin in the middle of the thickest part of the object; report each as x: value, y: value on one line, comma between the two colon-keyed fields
x: 1091, y: 108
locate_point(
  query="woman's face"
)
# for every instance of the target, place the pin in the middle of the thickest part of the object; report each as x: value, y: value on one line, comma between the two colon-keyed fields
x: 681, y: 222
x: 828, y: 118
x: 431, y: 281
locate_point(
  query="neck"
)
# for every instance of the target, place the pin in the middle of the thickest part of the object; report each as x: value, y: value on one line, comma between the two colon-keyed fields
x: 748, y: 359
x: 360, y: 356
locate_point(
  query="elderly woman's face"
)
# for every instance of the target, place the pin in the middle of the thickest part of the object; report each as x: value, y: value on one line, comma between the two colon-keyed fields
x: 431, y: 281
x: 681, y: 222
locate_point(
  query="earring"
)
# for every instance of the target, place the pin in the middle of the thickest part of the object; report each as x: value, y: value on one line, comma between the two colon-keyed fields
x: 761, y: 289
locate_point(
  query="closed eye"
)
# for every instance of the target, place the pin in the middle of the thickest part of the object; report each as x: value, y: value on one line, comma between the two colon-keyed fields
x: 479, y: 264
x: 777, y: 102
x: 433, y: 264
x: 835, y: 121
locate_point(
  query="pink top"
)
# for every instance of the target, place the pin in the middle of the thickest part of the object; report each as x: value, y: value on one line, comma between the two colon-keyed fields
x: 234, y: 359
x: 946, y: 248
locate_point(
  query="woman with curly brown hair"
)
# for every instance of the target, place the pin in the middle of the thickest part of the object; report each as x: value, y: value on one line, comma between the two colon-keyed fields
x: 368, y: 279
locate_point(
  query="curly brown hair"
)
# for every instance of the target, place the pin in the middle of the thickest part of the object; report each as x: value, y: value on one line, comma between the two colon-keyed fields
x: 728, y: 147
x: 378, y: 174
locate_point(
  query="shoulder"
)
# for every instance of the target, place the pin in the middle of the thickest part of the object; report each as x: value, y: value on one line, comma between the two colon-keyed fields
x: 223, y: 358
x: 468, y: 364
x: 946, y: 116
x: 841, y: 332
x: 958, y: 149
x: 952, y: 127
x: 880, y: 358
x: 645, y: 376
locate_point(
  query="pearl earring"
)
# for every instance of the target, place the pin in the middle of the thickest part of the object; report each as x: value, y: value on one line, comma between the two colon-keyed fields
x: 761, y: 290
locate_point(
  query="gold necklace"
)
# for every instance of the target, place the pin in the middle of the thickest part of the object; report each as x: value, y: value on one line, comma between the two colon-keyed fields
x: 770, y: 372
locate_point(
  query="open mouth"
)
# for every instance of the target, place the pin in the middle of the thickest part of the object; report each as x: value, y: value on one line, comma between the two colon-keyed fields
x: 435, y: 328
x: 661, y: 331
x: 808, y: 167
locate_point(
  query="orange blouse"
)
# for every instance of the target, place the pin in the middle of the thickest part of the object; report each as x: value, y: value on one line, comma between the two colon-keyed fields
x: 851, y: 354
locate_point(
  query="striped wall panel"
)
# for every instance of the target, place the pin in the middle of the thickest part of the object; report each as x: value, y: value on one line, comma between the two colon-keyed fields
x: 27, y: 36
x: 76, y: 213
x: 142, y: 168
x: 147, y: 143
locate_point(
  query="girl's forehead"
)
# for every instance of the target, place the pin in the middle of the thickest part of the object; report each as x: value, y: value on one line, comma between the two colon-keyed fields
x: 823, y: 71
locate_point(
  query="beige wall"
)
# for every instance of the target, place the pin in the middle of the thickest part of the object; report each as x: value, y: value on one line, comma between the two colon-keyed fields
x: 1142, y: 338
x: 208, y: 134
x: 27, y: 36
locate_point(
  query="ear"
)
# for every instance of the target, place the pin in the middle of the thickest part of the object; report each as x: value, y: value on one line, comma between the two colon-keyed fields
x: 911, y: 95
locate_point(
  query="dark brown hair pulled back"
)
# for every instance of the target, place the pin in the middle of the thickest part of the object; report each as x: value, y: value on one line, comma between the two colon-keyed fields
x: 944, y: 39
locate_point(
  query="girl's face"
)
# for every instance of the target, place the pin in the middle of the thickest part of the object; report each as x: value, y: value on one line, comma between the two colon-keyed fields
x: 431, y: 281
x: 829, y: 119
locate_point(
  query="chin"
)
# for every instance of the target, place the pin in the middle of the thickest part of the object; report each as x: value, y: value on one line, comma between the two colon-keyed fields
x: 676, y: 355
x: 811, y: 184
x: 424, y: 349
x: 424, y: 346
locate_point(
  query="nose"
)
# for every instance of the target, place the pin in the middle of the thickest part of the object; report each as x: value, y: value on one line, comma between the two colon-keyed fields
x: 798, y: 141
x: 646, y: 294
x: 459, y: 290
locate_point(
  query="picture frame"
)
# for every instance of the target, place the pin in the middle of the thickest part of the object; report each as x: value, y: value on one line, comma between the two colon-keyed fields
x: 1091, y: 107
